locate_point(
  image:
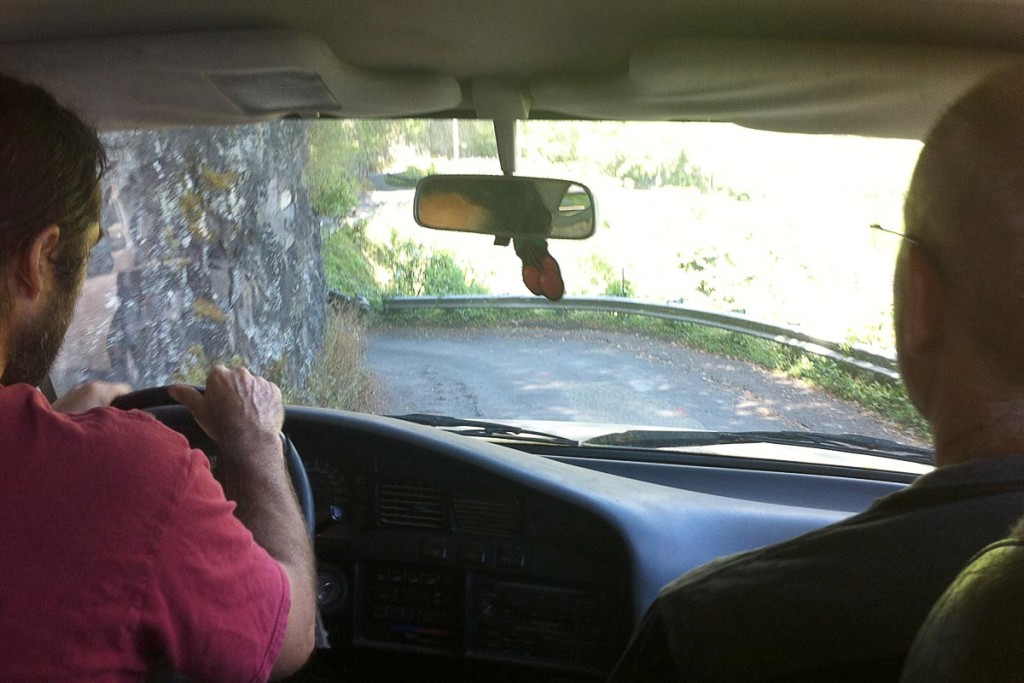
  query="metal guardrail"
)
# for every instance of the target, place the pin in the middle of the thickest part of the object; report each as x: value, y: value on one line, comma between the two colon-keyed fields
x: 865, y: 359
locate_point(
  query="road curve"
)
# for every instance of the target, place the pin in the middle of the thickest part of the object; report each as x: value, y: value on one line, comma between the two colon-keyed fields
x: 541, y: 373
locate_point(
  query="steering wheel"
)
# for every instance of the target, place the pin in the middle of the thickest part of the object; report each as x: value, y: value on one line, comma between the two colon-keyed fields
x: 179, y: 418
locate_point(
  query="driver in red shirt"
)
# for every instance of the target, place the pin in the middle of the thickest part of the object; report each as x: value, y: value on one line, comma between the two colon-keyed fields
x: 122, y: 556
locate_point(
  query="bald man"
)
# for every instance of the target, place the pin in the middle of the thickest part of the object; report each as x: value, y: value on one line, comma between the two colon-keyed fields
x: 843, y: 603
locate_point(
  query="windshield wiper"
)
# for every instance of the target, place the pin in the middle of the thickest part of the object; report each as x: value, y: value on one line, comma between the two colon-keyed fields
x: 484, y: 429
x: 848, y: 443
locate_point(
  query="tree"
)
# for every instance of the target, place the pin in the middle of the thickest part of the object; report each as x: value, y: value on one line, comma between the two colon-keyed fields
x: 342, y: 155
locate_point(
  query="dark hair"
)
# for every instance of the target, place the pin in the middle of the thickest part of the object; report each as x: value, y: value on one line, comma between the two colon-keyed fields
x: 50, y: 167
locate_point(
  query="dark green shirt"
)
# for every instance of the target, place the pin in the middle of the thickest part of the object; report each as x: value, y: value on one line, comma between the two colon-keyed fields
x: 840, y: 603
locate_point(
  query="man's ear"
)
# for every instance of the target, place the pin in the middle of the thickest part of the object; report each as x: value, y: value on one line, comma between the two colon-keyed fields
x: 924, y: 306
x: 33, y: 265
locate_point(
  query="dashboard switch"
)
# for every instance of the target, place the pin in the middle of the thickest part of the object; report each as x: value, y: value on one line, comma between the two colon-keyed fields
x: 434, y: 549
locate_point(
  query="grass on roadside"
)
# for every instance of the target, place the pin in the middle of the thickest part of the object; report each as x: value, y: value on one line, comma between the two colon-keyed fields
x: 339, y: 380
x: 880, y: 395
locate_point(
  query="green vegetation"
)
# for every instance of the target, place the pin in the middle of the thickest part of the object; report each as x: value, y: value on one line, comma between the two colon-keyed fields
x: 342, y: 155
x: 619, y: 155
x: 411, y: 269
x: 417, y: 271
x: 717, y: 277
x: 339, y: 381
x: 437, y: 137
x: 355, y: 265
x: 647, y: 173
x: 604, y: 279
x: 409, y: 177
x: 348, y: 268
x: 193, y: 367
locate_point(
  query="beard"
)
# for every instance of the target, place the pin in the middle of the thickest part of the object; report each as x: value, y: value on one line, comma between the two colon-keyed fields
x: 34, y: 346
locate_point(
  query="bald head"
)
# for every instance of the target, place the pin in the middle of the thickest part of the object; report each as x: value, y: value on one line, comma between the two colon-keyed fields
x: 966, y: 207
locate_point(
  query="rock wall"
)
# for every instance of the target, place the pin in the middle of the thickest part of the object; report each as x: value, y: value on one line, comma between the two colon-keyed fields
x: 212, y: 254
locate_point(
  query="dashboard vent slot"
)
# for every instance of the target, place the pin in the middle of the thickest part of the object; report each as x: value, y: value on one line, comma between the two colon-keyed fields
x: 488, y: 517
x: 408, y: 505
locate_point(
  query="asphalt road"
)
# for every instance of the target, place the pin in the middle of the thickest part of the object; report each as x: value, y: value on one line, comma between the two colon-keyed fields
x: 587, y: 376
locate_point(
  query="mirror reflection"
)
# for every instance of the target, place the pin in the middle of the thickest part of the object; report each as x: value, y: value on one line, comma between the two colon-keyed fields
x: 506, y: 206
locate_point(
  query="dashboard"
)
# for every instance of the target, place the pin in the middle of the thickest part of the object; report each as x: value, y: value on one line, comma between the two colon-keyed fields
x: 451, y: 558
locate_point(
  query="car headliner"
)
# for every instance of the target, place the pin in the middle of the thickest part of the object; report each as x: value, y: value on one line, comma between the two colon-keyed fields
x: 846, y: 66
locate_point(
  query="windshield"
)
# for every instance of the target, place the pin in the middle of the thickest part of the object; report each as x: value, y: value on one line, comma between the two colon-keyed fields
x: 291, y: 247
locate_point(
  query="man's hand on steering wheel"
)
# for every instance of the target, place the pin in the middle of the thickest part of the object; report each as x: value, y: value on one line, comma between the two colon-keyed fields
x: 90, y: 395
x: 238, y: 410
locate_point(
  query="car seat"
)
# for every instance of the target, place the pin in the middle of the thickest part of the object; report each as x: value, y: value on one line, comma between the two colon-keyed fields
x: 975, y: 632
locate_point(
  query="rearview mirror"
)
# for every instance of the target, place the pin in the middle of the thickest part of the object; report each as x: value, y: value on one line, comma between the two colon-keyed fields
x: 506, y: 206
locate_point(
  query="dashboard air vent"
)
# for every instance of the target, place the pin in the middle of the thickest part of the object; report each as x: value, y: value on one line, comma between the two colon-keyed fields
x: 407, y: 505
x: 488, y: 517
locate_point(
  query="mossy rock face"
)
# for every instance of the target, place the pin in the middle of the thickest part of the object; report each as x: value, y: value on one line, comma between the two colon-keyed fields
x: 208, y: 310
x: 194, y: 213
x: 193, y: 366
x: 216, y: 259
x: 211, y: 180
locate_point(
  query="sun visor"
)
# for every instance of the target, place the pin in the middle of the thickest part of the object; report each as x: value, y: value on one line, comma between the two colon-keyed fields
x: 212, y: 79
x: 801, y: 87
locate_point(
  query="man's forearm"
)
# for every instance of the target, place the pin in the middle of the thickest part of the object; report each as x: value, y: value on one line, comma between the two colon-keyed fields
x: 256, y: 478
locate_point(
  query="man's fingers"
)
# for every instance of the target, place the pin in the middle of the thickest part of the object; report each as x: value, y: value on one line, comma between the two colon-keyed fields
x: 197, y: 404
x: 106, y: 392
x: 119, y: 389
x: 186, y: 396
x: 90, y: 395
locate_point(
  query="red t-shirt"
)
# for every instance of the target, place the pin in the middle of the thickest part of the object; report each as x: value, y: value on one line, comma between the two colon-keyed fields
x: 119, y: 554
